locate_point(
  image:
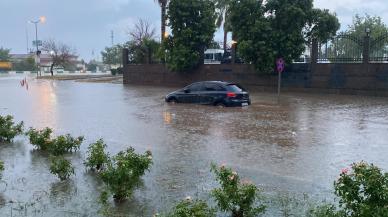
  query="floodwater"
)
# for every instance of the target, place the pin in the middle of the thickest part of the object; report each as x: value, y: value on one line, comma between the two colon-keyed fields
x: 295, y: 147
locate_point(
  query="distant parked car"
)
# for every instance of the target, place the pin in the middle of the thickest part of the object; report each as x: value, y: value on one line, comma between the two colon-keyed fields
x: 217, y: 93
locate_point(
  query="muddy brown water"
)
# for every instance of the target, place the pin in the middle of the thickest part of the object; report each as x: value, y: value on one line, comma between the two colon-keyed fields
x: 295, y: 147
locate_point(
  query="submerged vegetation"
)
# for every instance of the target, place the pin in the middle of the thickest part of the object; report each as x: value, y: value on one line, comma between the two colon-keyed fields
x: 41, y: 140
x: 124, y: 172
x: 61, y: 167
x: 8, y: 129
x: 362, y: 189
x: 97, y: 157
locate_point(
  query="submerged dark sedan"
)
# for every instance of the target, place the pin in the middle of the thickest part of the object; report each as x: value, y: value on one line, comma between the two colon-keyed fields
x: 216, y: 93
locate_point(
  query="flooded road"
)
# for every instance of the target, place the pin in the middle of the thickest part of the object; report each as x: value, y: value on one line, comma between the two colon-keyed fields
x: 297, y: 146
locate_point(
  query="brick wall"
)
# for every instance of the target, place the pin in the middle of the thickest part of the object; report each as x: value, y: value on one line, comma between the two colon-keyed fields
x: 366, y: 79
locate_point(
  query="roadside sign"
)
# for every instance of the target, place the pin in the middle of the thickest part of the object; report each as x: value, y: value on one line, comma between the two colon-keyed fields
x: 280, y: 65
x: 34, y: 42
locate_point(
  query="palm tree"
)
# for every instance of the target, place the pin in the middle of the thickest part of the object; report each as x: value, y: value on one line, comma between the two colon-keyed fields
x: 222, y: 7
x: 163, y: 8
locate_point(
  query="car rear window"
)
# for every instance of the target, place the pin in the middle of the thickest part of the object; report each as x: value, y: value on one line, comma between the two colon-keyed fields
x: 235, y: 88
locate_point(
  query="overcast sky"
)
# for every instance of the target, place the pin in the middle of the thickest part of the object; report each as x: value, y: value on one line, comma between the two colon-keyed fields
x: 86, y: 24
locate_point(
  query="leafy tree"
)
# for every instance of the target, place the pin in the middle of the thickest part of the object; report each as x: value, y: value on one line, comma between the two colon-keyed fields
x: 193, y: 25
x: 92, y: 66
x: 264, y: 31
x: 253, y: 31
x: 4, y: 54
x: 321, y: 25
x: 112, y: 55
x: 378, y: 29
x: 61, y: 54
x: 24, y: 65
x: 144, y: 52
x: 348, y: 47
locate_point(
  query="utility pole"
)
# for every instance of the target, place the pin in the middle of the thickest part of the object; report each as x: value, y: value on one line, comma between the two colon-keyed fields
x: 27, y: 40
x: 41, y: 20
x: 112, y: 37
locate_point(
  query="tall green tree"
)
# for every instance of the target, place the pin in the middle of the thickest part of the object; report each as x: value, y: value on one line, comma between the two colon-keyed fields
x: 112, y: 55
x: 4, y: 54
x: 193, y: 26
x: 378, y: 33
x: 253, y: 31
x: 321, y: 25
x: 348, y: 48
x: 278, y: 28
x: 163, y: 10
x: 223, y: 14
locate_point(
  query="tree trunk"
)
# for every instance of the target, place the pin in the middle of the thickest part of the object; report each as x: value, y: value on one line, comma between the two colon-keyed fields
x: 51, y: 69
x: 163, y: 8
x: 225, y: 39
x: 234, y: 48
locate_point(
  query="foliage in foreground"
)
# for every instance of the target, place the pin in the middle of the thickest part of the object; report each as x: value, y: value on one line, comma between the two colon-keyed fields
x: 190, y: 208
x: 123, y: 173
x: 238, y: 198
x: 61, y: 167
x: 362, y: 192
x: 42, y: 140
x: 97, y: 157
x: 1, y: 168
x: 8, y: 128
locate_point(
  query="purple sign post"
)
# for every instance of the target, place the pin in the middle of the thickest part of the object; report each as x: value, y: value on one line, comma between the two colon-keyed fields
x: 280, y: 64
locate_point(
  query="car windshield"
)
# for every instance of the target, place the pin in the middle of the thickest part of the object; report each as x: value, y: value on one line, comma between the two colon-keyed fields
x: 235, y: 88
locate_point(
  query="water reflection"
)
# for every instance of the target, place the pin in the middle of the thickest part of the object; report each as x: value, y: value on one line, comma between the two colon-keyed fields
x: 299, y: 145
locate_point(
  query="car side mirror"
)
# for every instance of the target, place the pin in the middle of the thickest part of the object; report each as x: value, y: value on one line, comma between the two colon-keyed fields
x: 186, y: 90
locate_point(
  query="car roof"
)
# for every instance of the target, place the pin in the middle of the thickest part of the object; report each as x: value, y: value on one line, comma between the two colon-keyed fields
x: 216, y: 82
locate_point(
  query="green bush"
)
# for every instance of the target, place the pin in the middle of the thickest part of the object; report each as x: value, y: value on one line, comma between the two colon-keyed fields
x: 238, y: 198
x: 8, y: 129
x: 124, y: 171
x: 61, y: 167
x: 42, y: 140
x: 65, y: 144
x: 363, y: 191
x: 1, y: 168
x: 325, y: 211
x: 97, y: 157
x: 190, y: 208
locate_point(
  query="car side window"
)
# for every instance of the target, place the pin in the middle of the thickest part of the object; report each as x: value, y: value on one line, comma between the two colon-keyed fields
x: 196, y: 87
x: 213, y: 87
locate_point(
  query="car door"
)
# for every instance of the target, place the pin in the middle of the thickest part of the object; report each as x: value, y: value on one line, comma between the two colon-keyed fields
x: 190, y: 93
x: 211, y: 93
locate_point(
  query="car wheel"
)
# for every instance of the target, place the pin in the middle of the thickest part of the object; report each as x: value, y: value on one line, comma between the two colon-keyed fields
x: 220, y: 105
x: 172, y: 101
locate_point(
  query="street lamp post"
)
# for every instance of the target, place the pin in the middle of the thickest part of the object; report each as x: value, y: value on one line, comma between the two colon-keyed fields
x: 41, y: 20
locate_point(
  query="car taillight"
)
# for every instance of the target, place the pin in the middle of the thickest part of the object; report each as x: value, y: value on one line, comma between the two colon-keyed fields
x: 230, y: 94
